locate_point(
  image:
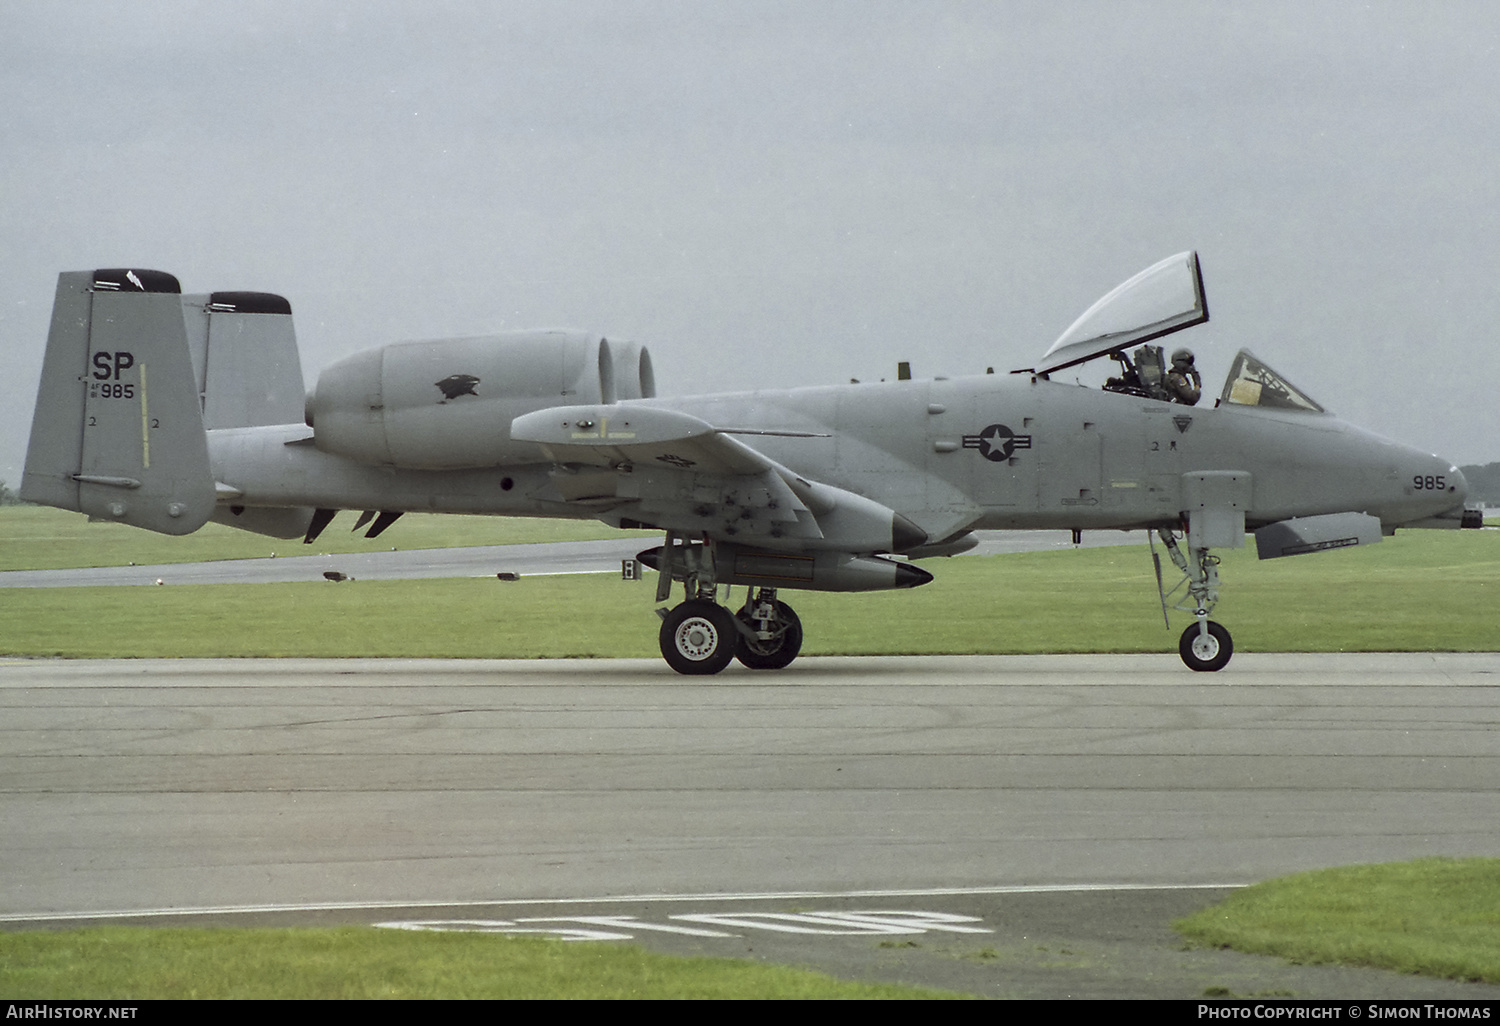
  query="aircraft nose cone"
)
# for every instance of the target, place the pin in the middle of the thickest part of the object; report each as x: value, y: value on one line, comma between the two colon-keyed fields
x: 1434, y: 492
x: 1451, y: 483
x: 1452, y: 490
x: 1459, y: 484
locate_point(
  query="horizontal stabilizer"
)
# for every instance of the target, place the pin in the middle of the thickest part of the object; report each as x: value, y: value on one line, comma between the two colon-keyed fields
x: 273, y: 522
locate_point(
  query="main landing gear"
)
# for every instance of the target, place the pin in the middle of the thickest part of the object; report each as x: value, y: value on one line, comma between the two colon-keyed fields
x: 700, y: 636
x: 770, y: 633
x: 1206, y: 645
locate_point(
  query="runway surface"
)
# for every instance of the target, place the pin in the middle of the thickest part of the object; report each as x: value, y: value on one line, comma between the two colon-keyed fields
x: 475, y: 561
x: 222, y: 784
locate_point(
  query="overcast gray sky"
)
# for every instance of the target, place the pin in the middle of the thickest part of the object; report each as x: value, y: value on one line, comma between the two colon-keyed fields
x: 775, y: 194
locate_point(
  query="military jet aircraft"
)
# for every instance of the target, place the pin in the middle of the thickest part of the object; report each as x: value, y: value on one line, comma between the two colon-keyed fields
x: 166, y: 411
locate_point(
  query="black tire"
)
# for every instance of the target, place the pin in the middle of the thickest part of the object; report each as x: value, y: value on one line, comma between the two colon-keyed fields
x: 779, y: 651
x: 1206, y: 654
x: 698, y: 637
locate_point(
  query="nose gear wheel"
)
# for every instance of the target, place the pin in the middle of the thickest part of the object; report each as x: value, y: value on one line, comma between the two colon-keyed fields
x: 1206, y: 645
x: 1205, y: 650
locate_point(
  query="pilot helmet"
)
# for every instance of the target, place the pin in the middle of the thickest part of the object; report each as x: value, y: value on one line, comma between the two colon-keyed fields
x: 1182, y: 357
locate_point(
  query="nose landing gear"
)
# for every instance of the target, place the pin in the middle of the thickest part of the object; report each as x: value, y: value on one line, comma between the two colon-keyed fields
x: 1206, y: 645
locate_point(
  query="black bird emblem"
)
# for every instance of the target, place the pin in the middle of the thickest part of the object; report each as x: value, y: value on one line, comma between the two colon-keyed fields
x: 455, y: 385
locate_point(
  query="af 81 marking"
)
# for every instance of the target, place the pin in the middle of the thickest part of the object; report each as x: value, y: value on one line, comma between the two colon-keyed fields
x: 106, y: 383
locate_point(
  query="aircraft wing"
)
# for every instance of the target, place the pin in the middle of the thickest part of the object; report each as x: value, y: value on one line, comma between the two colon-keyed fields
x: 610, y: 436
x: 678, y: 472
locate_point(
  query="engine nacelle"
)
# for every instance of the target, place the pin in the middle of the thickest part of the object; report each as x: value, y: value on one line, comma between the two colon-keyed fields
x: 447, y: 404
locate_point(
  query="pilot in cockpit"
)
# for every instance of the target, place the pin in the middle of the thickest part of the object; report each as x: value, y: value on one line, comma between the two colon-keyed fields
x: 1183, y: 381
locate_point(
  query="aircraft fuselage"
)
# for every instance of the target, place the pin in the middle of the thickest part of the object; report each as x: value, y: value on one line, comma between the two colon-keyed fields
x: 984, y: 452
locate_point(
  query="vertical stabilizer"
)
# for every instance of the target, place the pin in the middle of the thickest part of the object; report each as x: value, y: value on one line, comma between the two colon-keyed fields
x: 118, y: 430
x: 245, y: 358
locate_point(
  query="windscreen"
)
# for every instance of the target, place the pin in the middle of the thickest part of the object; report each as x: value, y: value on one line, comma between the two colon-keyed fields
x: 1253, y: 383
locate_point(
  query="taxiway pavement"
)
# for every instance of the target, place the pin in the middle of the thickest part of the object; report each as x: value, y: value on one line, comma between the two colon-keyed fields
x: 227, y: 784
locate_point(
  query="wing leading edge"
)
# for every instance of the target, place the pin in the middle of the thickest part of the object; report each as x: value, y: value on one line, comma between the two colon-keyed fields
x: 678, y: 472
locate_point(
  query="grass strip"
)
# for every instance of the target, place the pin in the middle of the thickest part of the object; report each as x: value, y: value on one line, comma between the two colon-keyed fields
x: 1434, y: 917
x: 39, y: 538
x: 137, y: 963
x: 1430, y: 591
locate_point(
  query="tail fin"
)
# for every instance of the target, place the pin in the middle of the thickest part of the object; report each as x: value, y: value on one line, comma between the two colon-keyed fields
x: 248, y: 371
x: 118, y: 430
x: 245, y: 358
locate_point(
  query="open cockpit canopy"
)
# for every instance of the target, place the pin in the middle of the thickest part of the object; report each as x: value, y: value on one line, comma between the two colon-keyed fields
x: 1165, y: 297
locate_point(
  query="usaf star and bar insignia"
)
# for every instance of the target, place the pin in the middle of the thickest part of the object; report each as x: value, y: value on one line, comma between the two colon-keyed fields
x: 997, y: 442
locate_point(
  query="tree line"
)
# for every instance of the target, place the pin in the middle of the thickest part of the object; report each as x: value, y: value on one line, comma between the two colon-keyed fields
x: 1484, y: 484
